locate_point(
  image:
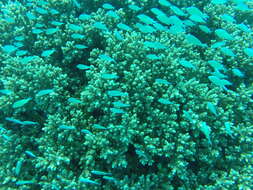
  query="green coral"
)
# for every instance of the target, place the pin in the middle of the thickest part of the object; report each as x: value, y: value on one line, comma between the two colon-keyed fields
x: 133, y: 112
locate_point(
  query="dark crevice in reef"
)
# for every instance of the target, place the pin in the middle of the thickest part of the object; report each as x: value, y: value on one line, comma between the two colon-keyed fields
x: 59, y: 56
x: 34, y: 115
x: 78, y: 76
x: 135, y: 166
x: 247, y: 16
x: 194, y: 166
x: 75, y: 166
x: 97, y: 113
x: 177, y: 182
x: 98, y: 42
x: 179, y: 113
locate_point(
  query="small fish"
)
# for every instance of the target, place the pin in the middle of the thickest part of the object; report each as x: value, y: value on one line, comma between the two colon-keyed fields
x: 204, y: 128
x: 88, y: 181
x: 6, y: 92
x: 9, y: 20
x: 19, y: 38
x: 226, y: 51
x: 242, y: 7
x: 172, y: 20
x: 9, y: 49
x: 21, y: 103
x: 145, y: 28
x: 105, y: 57
x: 205, y: 29
x: 117, y: 111
x: 197, y: 18
x: 47, y: 53
x: 13, y: 120
x: 56, y: 23
x: 176, y: 29
x: 223, y: 34
x: 97, y: 126
x: 100, y: 25
x: 123, y: 26
x: 51, y: 31
x: 74, y: 101
x: 195, y: 11
x: 212, y: 108
x: 39, y: 25
x: 188, y: 116
x: 113, y: 14
x: 237, y: 72
x: 36, y: 31
x: 228, y: 18
x: 53, y: 11
x: 187, y: 64
x: 18, y: 44
x: 84, y: 17
x: 248, y: 51
x: 77, y: 4
x: 115, y: 93
x: 134, y: 7
x: 107, y: 6
x: 6, y: 138
x: 164, y: 3
x: 153, y: 57
x: 194, y: 40
x: 21, y: 53
x: 109, y: 76
x: 177, y: 11
x: 162, y: 81
x: 42, y: 2
x: 119, y: 104
x: 164, y: 101
x: 29, y: 153
x: 145, y: 19
x: 216, y: 65
x: 86, y: 131
x: 101, y: 173
x: 109, y: 178
x: 30, y: 16
x: 75, y: 28
x: 157, y: 11
x: 83, y: 67
x: 228, y: 128
x: 81, y: 46
x: 154, y: 45
x: 18, y: 167
x: 219, y: 82
x: 25, y: 182
x: 118, y: 36
x: 27, y: 59
x: 218, y: 74
x: 244, y: 28
x: 41, y: 11
x: 219, y: 2
x: 218, y: 44
x: 45, y: 92
x: 29, y: 123
x: 67, y: 127
x: 77, y: 36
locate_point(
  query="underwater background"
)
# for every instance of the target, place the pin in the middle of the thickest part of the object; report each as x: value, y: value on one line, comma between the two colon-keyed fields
x: 126, y: 95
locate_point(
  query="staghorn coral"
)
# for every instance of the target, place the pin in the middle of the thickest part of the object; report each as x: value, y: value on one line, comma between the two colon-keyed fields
x: 112, y: 96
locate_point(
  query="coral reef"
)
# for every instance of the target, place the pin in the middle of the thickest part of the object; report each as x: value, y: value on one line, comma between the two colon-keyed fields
x: 126, y: 95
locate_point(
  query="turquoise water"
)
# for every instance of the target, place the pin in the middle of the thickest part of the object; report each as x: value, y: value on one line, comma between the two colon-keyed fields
x: 126, y: 95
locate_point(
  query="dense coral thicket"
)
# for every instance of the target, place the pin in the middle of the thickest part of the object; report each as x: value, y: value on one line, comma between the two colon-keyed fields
x: 126, y: 95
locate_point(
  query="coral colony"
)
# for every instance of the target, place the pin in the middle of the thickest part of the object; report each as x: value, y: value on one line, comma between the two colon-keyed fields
x: 126, y: 95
